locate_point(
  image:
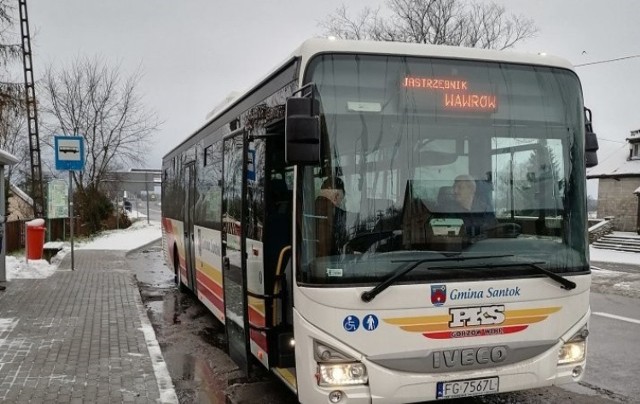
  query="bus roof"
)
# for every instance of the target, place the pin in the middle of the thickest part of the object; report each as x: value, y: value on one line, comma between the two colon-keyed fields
x: 314, y: 46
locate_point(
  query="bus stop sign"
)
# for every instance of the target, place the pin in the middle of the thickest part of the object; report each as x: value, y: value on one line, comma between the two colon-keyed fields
x: 69, y: 152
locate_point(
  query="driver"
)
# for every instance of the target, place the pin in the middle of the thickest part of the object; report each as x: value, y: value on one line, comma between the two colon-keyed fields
x: 474, y: 209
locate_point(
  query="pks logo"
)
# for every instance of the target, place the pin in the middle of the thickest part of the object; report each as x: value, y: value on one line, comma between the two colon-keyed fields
x: 474, y: 316
x: 438, y: 294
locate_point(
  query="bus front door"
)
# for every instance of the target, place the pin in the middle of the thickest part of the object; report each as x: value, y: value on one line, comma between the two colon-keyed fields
x: 233, y: 245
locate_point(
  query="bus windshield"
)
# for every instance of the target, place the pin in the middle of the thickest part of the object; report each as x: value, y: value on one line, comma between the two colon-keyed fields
x: 425, y: 158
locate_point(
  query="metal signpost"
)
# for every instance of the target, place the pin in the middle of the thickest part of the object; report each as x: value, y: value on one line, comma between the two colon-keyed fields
x: 69, y: 155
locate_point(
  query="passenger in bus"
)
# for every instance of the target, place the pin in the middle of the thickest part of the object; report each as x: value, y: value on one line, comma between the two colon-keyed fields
x: 473, y: 206
x: 331, y: 228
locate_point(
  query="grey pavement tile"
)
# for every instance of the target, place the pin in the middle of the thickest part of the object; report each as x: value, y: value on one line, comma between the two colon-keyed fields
x: 67, y: 338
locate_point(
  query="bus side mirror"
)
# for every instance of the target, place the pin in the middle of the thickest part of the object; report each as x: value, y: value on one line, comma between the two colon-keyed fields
x: 302, y: 131
x: 590, y: 141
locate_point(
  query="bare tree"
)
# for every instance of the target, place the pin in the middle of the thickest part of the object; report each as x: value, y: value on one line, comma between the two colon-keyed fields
x: 13, y: 140
x: 93, y: 100
x: 11, y: 94
x: 439, y: 22
x: 13, y: 137
x: 9, y: 52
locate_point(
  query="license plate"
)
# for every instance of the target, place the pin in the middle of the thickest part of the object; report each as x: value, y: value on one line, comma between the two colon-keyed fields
x: 466, y: 388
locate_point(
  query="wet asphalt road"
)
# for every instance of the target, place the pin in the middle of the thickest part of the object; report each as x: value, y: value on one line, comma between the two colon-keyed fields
x: 193, y: 342
x: 193, y: 345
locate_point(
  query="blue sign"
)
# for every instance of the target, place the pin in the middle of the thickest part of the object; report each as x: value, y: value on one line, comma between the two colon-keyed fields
x: 370, y: 322
x: 351, y: 323
x: 69, y: 153
x: 251, y: 165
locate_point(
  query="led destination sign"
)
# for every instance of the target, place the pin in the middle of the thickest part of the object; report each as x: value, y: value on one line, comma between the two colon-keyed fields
x: 435, y: 84
x: 456, y: 94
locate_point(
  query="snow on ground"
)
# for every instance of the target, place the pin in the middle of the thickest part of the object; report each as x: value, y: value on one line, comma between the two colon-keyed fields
x: 17, y: 268
x: 137, y: 235
x: 609, y: 281
x: 618, y: 257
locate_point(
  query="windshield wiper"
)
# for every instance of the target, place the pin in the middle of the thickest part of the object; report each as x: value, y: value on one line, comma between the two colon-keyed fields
x: 369, y: 295
x: 566, y: 283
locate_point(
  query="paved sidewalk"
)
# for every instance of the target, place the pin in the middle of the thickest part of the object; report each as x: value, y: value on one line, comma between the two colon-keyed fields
x: 80, y: 336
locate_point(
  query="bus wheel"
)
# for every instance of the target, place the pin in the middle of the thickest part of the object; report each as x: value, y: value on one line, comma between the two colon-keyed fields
x: 177, y: 277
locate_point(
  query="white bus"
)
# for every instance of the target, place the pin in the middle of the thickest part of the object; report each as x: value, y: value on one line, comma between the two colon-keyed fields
x: 456, y: 260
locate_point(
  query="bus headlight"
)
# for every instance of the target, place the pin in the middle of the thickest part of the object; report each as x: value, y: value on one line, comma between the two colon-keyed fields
x: 335, y: 368
x: 572, y: 352
x: 342, y: 374
x: 575, y: 349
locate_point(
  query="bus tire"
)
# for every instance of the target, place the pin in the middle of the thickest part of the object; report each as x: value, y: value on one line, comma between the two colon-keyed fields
x: 177, y: 277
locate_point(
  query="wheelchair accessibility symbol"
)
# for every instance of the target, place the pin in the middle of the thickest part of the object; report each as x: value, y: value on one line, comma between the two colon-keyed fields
x: 351, y: 323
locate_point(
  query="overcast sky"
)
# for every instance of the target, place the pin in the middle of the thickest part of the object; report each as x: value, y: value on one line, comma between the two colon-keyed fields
x: 194, y: 52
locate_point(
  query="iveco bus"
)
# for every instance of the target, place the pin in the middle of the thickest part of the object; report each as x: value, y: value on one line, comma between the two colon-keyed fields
x: 456, y: 259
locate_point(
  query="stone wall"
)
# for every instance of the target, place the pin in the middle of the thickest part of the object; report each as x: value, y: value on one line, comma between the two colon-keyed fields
x: 616, y: 198
x: 603, y: 227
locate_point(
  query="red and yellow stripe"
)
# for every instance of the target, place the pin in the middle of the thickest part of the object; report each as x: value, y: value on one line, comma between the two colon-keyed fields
x: 437, y: 326
x: 209, y: 280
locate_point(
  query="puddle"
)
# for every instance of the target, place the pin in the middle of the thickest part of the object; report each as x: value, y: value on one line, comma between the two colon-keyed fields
x: 194, y: 380
x: 165, y: 308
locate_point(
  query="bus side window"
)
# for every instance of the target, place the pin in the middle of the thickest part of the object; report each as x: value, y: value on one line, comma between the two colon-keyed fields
x: 279, y: 220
